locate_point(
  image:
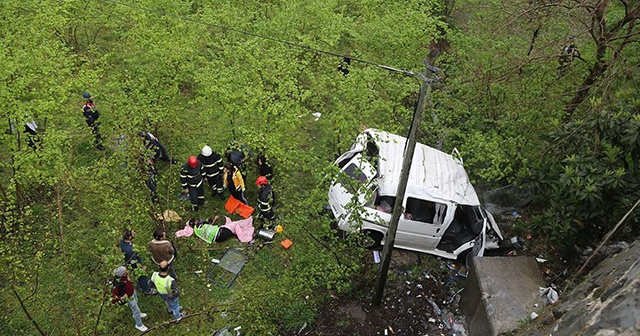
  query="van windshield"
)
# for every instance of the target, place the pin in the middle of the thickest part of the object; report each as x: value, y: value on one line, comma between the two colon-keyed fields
x: 356, y: 173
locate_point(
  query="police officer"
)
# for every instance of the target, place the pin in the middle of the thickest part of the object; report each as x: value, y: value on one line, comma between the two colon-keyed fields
x: 213, y: 170
x: 265, y: 199
x: 91, y: 116
x: 191, y: 181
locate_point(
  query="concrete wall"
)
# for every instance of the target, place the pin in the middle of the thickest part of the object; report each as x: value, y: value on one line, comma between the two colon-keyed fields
x: 500, y: 294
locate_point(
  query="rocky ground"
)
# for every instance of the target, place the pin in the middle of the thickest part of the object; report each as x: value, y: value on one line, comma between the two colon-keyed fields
x: 421, y: 298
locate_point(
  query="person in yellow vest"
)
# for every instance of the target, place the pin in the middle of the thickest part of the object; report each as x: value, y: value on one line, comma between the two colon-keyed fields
x: 168, y: 290
x: 233, y: 181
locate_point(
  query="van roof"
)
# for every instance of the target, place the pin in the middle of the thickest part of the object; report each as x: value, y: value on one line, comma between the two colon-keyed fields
x: 434, y: 175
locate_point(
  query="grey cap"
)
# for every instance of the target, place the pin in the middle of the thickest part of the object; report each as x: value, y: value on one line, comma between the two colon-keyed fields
x: 119, y: 272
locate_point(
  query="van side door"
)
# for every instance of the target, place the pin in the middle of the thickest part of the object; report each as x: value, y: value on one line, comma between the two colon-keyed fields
x: 422, y: 224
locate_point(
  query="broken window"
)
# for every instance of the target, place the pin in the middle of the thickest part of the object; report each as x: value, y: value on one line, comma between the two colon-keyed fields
x: 425, y: 211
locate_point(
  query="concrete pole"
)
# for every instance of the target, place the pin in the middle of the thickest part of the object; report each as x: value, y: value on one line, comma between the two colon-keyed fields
x: 410, y: 146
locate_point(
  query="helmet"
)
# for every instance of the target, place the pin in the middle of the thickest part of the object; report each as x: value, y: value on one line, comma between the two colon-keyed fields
x: 261, y: 180
x: 206, y: 151
x: 86, y: 95
x: 193, y: 161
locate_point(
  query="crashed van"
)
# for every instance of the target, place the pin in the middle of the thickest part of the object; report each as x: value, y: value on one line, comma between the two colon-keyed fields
x: 441, y: 213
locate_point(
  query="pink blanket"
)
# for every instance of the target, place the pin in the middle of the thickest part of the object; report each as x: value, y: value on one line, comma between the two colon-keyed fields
x: 186, y: 232
x: 242, y: 228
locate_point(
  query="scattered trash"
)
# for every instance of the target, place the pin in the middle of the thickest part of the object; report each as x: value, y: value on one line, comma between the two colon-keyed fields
x: 279, y: 228
x: 208, y: 285
x: 436, y: 309
x: 303, y: 327
x: 534, y: 315
x: 169, y: 216
x: 432, y: 320
x: 540, y: 260
x: 286, y: 243
x: 237, y: 330
x: 215, y: 261
x: 517, y: 241
x: 198, y: 271
x: 515, y: 214
x: 550, y: 294
x: 419, y: 286
x: 376, y: 257
x: 317, y: 115
x: 535, y: 305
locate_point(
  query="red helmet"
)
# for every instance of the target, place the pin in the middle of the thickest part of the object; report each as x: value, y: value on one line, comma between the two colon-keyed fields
x: 261, y: 180
x: 193, y: 161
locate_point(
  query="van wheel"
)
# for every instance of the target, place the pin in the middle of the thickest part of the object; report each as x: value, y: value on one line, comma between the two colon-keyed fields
x: 371, y: 239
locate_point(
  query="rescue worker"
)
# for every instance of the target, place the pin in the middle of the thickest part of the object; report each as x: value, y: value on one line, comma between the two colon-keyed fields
x: 91, y: 116
x: 152, y: 143
x: 213, y: 170
x: 234, y: 182
x: 265, y: 200
x: 30, y: 130
x: 264, y: 169
x: 569, y: 52
x: 168, y: 290
x: 152, y: 179
x: 191, y: 180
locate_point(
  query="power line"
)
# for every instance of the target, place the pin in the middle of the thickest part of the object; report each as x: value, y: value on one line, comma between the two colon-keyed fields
x: 292, y: 44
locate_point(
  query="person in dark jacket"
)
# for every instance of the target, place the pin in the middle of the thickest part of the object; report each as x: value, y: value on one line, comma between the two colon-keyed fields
x: 151, y: 143
x: 124, y: 293
x: 191, y: 181
x: 133, y: 261
x: 152, y: 179
x: 91, y: 116
x: 235, y: 154
x: 265, y: 200
x: 264, y: 169
x: 213, y: 170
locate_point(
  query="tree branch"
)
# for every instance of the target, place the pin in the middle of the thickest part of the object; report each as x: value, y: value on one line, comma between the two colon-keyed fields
x: 173, y: 321
x: 26, y: 312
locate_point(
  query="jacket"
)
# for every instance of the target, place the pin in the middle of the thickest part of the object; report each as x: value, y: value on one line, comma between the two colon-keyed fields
x: 265, y: 198
x: 161, y: 250
x: 89, y: 112
x: 238, y: 181
x: 191, y: 177
x: 121, y: 287
x: 212, y: 164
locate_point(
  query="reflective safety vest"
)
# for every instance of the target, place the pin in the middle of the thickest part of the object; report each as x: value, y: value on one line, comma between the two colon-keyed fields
x: 163, y: 284
x: 207, y: 232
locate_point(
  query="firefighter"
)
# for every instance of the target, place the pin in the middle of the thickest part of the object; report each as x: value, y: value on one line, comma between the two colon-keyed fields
x: 213, y: 170
x: 265, y: 200
x: 152, y: 144
x: 91, y: 116
x: 264, y: 169
x: 233, y: 180
x: 191, y: 180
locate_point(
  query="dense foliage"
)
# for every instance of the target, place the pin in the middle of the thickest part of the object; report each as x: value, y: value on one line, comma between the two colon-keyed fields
x: 196, y: 73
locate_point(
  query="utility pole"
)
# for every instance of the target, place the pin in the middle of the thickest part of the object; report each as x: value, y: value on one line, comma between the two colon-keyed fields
x: 410, y: 146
